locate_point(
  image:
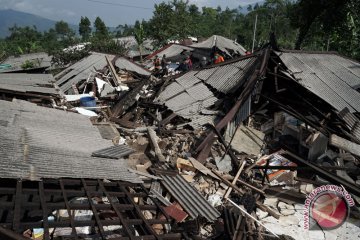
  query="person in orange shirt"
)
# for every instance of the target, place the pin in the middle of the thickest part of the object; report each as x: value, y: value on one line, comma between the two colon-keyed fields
x: 218, y: 58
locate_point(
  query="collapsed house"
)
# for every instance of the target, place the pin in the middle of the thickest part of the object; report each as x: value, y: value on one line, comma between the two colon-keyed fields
x: 26, y: 63
x: 227, y: 47
x: 32, y: 87
x: 133, y: 49
x: 229, y: 151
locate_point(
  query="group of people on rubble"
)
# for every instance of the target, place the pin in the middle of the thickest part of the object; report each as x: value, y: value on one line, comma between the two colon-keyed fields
x: 161, y: 65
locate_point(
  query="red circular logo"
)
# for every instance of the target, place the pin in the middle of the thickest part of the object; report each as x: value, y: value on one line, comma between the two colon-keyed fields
x: 329, y: 210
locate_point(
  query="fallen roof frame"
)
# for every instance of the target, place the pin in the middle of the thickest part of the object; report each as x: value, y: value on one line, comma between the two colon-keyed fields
x: 40, y: 199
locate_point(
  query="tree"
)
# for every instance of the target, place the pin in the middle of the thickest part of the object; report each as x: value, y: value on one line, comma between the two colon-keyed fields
x: 85, y: 28
x: 180, y: 20
x: 63, y: 30
x: 330, y: 14
x: 101, y: 31
x: 140, y: 37
x: 160, y: 28
x: 23, y: 40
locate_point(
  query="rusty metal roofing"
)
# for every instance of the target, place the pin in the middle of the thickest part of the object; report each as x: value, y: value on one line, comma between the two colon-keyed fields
x: 126, y: 64
x: 38, y: 142
x: 329, y: 76
x: 224, y: 44
x: 29, y: 83
x: 15, y: 63
x: 189, y: 198
x: 115, y: 152
x: 81, y: 70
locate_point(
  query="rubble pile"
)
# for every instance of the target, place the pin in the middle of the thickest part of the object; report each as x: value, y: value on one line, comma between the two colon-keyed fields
x: 228, y: 151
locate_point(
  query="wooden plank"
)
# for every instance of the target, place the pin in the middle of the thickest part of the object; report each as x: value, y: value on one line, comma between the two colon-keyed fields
x: 113, y: 72
x: 344, y: 144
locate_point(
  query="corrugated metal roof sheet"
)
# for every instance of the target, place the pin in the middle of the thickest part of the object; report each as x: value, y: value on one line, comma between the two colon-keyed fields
x: 126, y: 64
x: 115, y: 152
x: 352, y: 122
x: 170, y: 91
x: 224, y: 44
x: 39, y: 60
x: 323, y: 75
x: 38, y: 142
x: 243, y: 113
x: 189, y: 96
x: 226, y: 78
x: 29, y: 83
x: 180, y: 101
x: 108, y: 131
x: 81, y: 70
x: 171, y: 51
x: 189, y: 198
x: 189, y: 79
x: 199, y: 92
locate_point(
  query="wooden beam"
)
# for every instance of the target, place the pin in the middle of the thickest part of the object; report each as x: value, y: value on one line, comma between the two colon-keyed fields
x: 344, y: 144
x: 113, y: 72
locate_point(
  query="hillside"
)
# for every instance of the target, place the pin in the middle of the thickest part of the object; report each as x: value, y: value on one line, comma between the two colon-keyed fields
x: 9, y: 18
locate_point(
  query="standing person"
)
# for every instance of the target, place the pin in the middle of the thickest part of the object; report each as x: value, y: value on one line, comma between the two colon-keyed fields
x: 218, y: 58
x: 157, y: 63
x: 164, y: 65
x: 189, y: 62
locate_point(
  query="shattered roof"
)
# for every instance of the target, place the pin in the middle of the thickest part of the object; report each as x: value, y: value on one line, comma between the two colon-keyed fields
x: 81, y: 70
x: 227, y: 77
x: 132, y: 46
x: 39, y: 60
x: 189, y: 97
x: 38, y: 142
x: 222, y: 43
x: 126, y: 64
x: 330, y: 76
x: 192, y: 201
x: 29, y: 83
x: 170, y: 51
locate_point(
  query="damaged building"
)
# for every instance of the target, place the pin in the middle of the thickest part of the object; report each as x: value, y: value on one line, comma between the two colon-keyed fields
x: 226, y: 151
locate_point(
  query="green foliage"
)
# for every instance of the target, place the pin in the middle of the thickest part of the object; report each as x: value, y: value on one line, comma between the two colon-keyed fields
x: 62, y: 58
x: 28, y: 65
x: 101, y: 31
x: 303, y: 24
x: 140, y: 37
x: 23, y: 40
x: 160, y: 24
x: 107, y: 46
x: 85, y: 28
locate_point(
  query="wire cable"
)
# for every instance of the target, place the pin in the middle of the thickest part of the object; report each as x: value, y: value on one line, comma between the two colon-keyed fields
x: 119, y: 4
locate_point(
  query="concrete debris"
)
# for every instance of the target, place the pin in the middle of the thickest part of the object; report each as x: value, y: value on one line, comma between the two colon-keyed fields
x: 230, y: 150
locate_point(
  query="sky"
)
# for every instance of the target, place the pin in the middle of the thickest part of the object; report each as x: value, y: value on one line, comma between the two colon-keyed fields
x: 112, y: 12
